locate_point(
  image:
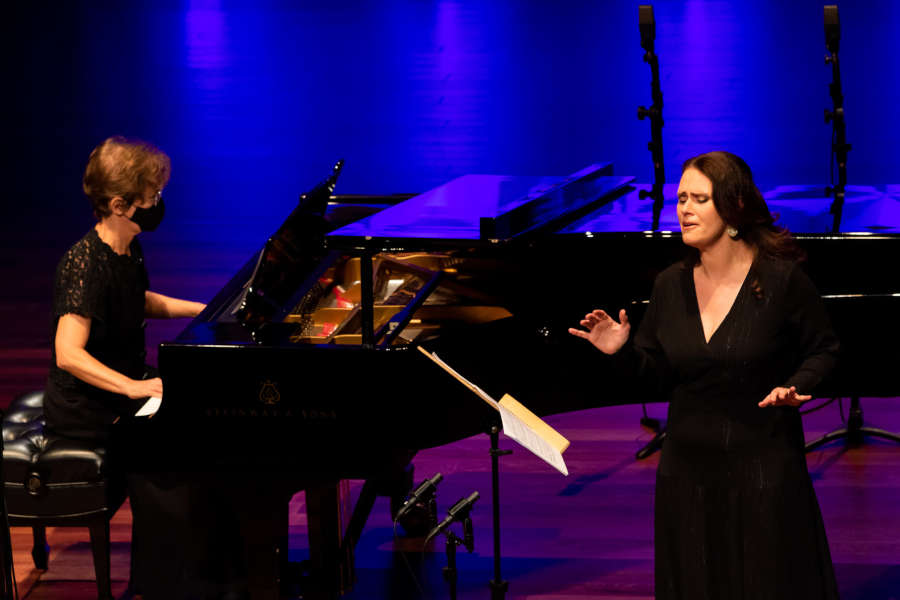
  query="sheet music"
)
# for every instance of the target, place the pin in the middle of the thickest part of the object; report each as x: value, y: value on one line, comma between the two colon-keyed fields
x: 513, y: 425
x: 149, y: 408
x: 518, y: 430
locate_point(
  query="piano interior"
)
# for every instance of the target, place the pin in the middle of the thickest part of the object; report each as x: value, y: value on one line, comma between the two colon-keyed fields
x: 415, y: 295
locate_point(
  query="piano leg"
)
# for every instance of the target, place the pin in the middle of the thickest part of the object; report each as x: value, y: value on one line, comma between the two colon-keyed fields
x: 395, y: 484
x: 263, y: 529
x: 244, y: 516
x: 331, y: 560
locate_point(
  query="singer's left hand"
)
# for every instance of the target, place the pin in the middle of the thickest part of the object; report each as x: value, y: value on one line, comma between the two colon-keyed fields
x: 782, y: 396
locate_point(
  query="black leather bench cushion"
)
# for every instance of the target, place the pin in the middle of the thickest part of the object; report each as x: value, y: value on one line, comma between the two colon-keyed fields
x: 46, y: 475
x: 58, y: 460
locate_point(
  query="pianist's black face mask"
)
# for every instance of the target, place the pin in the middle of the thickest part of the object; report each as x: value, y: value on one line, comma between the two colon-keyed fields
x: 149, y: 219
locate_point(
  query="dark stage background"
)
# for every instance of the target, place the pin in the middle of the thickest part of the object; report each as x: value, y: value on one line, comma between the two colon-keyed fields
x: 254, y: 101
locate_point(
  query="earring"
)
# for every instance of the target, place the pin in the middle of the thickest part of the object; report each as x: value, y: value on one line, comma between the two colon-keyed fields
x: 731, y: 231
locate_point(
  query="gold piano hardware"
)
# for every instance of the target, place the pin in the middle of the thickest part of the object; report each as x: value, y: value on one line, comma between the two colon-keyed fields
x: 354, y: 292
x: 346, y: 339
x: 431, y: 262
x: 322, y: 315
x: 339, y: 315
x: 348, y: 274
x: 427, y: 317
x: 335, y: 321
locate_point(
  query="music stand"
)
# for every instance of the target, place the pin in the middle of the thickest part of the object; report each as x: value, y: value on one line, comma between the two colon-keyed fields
x: 529, y: 431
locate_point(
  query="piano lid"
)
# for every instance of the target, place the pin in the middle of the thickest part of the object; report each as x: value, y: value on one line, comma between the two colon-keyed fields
x: 803, y: 209
x: 475, y: 208
x: 868, y: 209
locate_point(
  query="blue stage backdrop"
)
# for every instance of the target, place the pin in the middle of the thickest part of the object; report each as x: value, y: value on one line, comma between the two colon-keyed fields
x: 254, y: 101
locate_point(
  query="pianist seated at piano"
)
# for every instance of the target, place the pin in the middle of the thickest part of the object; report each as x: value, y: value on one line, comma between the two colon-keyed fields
x: 736, y: 337
x: 98, y: 378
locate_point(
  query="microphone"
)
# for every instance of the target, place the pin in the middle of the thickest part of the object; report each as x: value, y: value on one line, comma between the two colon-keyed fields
x: 460, y: 510
x: 647, y: 26
x: 832, y: 28
x: 424, y: 487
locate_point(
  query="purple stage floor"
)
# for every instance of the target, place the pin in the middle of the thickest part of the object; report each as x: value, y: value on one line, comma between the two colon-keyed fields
x: 588, y: 535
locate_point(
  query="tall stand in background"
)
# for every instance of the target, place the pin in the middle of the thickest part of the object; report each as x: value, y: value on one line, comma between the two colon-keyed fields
x: 647, y: 24
x: 839, y: 145
x: 854, y: 431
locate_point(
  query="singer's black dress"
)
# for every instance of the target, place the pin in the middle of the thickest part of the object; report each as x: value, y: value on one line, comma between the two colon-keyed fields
x: 736, y: 516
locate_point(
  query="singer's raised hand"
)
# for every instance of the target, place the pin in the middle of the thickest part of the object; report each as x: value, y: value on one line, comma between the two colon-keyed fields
x: 604, y: 332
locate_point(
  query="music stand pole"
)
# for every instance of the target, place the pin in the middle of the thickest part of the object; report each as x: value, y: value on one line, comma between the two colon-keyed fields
x: 498, y: 586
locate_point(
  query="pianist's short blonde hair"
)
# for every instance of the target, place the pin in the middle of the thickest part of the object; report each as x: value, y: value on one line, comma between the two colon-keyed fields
x: 126, y: 168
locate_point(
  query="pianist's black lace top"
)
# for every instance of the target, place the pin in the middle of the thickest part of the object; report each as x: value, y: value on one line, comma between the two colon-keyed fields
x: 93, y: 281
x: 736, y: 515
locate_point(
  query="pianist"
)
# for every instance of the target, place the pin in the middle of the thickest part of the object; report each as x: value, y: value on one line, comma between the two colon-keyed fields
x: 736, y: 337
x: 101, y: 297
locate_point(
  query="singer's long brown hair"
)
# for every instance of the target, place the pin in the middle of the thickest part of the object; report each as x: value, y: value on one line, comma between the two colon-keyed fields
x: 741, y: 205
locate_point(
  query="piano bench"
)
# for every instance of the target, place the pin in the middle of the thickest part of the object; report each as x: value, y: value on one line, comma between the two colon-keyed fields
x: 50, y: 480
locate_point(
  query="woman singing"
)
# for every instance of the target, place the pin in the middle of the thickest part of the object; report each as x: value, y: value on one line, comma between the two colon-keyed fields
x: 736, y: 337
x: 101, y: 298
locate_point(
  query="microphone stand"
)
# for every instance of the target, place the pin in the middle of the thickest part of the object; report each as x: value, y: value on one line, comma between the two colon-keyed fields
x: 854, y: 430
x: 647, y: 24
x: 839, y: 145
x: 451, y: 575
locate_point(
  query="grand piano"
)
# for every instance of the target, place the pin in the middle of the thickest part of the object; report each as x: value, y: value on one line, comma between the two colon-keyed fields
x: 303, y: 370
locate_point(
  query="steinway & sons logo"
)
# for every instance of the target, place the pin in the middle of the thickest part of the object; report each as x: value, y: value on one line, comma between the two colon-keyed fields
x: 268, y: 393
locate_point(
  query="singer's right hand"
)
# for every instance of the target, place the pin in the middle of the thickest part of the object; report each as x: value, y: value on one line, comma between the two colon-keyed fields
x: 603, y: 331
